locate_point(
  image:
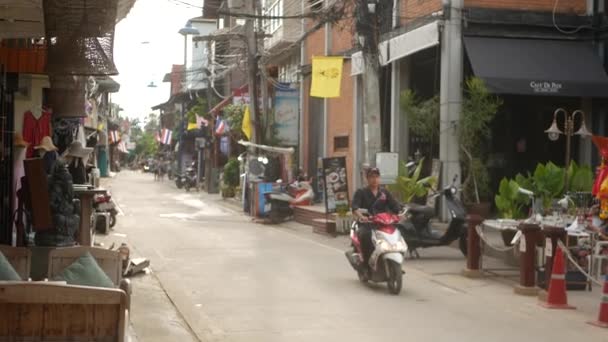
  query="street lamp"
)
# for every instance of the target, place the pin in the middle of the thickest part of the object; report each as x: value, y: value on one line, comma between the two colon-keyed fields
x: 554, y: 132
x: 184, y: 31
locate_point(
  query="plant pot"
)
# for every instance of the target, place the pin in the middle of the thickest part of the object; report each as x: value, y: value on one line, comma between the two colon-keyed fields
x: 482, y: 209
x: 228, y: 192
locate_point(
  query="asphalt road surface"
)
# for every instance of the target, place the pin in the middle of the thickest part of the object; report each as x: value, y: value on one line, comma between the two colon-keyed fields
x: 228, y: 279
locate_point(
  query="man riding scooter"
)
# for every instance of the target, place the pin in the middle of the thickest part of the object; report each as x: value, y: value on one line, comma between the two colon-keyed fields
x: 375, y: 200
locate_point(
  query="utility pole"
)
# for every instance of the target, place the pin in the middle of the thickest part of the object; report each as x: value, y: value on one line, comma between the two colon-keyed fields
x: 450, y: 97
x: 366, y: 27
x: 252, y: 68
x: 264, y: 82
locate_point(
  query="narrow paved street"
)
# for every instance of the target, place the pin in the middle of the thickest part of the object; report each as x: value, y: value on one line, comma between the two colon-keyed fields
x: 233, y: 280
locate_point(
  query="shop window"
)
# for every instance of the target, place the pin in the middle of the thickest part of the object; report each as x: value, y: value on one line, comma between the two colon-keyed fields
x: 341, y: 143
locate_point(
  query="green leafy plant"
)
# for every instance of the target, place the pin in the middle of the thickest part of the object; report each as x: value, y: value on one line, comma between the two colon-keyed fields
x: 233, y: 114
x: 509, y: 201
x: 231, y: 173
x: 408, y: 187
x: 422, y: 116
x: 478, y: 110
x: 548, y: 183
x: 199, y: 109
x: 580, y: 178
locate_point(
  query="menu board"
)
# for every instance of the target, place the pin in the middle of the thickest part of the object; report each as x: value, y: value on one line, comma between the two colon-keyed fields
x: 336, y: 184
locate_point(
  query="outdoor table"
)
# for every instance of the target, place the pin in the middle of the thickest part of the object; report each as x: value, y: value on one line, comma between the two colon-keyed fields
x: 85, y: 195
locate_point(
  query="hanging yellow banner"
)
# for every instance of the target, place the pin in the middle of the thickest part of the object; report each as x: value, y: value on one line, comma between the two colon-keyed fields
x: 192, y: 126
x: 326, y: 77
x: 246, y: 126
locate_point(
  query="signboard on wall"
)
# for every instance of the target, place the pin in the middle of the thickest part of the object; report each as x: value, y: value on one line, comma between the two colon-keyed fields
x: 287, y: 115
x: 388, y: 163
x: 336, y: 184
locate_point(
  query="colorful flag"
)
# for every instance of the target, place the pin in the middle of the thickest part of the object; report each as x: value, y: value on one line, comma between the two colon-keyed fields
x: 122, y: 147
x: 326, y: 77
x: 246, y: 126
x: 114, y: 137
x: 166, y: 137
x: 201, y: 121
x: 192, y: 126
x: 220, y: 126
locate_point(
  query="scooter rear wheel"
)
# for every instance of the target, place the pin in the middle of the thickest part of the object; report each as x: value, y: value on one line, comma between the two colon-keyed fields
x: 395, y: 277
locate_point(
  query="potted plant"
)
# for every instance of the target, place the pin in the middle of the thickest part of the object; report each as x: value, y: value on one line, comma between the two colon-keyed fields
x: 478, y: 110
x: 230, y: 178
x: 407, y: 187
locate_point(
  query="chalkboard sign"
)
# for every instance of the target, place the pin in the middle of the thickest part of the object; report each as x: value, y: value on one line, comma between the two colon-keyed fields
x: 336, y: 184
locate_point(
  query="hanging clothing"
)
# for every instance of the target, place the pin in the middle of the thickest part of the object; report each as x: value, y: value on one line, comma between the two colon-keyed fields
x: 78, y: 171
x: 34, y: 129
x: 18, y: 173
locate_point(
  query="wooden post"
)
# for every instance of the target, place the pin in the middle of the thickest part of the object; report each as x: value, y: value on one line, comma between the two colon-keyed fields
x: 527, y: 277
x: 473, y: 269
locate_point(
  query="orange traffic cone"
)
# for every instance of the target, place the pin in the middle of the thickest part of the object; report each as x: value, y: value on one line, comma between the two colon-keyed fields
x: 557, y: 298
x: 602, y: 320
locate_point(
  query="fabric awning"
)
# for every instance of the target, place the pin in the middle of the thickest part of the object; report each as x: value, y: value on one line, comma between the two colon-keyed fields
x: 537, y: 67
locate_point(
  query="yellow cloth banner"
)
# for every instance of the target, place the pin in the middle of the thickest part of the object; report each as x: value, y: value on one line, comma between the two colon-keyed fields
x: 326, y: 77
x: 191, y: 126
x: 246, y: 126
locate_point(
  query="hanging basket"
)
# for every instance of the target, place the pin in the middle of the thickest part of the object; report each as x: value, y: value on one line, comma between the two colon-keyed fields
x: 80, y: 36
x: 67, y: 96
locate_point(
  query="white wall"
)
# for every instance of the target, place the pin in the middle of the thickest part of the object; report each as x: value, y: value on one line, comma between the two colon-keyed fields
x: 33, y: 100
x: 198, y: 54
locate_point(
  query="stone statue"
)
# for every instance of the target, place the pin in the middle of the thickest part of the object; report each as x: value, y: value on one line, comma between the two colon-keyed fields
x: 64, y: 209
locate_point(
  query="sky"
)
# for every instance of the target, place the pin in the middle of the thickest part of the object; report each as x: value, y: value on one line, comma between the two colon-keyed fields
x: 157, y: 23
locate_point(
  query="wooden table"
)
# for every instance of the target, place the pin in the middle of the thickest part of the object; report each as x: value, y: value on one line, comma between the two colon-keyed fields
x: 86, y: 210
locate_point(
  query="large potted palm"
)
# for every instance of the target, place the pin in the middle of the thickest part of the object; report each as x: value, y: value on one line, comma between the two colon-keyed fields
x: 478, y: 110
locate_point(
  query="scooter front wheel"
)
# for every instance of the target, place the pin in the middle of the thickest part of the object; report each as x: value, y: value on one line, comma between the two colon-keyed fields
x: 395, y: 277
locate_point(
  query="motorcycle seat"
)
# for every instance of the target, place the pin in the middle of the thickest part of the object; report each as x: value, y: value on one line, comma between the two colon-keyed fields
x: 421, y: 209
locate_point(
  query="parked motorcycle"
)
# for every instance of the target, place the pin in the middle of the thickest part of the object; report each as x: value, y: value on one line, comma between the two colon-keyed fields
x: 280, y: 203
x: 418, y: 231
x: 385, y: 263
x: 103, y: 203
x: 189, y: 179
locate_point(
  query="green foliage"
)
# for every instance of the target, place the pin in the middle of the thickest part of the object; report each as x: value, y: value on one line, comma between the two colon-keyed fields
x: 151, y: 123
x: 406, y: 187
x: 509, y: 201
x: 478, y: 110
x: 580, y: 178
x: 233, y: 114
x: 199, y: 109
x: 146, y: 145
x: 548, y: 182
x: 231, y: 173
x: 477, y: 182
x: 474, y: 132
x: 422, y: 115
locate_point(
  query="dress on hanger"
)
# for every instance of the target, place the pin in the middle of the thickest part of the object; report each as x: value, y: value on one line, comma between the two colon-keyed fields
x: 34, y: 129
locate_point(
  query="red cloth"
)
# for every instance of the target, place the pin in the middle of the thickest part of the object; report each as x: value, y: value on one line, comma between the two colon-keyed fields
x: 35, y: 129
x: 601, y: 174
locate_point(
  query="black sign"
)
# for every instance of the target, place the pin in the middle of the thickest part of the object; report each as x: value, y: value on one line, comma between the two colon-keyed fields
x: 336, y: 184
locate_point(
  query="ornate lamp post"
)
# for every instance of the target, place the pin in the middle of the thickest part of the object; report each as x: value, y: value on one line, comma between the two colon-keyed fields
x: 554, y: 132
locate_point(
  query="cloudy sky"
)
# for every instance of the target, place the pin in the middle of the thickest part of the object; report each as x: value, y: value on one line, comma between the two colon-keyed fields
x: 145, y: 46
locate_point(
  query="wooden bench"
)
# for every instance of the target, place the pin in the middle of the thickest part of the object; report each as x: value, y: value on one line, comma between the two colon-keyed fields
x: 109, y: 261
x: 39, y: 311
x: 20, y: 258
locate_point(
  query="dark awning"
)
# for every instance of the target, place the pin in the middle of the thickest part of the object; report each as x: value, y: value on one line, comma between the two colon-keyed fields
x: 537, y: 67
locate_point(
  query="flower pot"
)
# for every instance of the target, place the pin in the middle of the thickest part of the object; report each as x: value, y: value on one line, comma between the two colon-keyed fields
x: 482, y: 209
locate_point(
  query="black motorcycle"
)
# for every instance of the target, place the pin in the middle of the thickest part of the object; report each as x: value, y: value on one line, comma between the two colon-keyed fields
x: 189, y: 179
x: 418, y: 231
